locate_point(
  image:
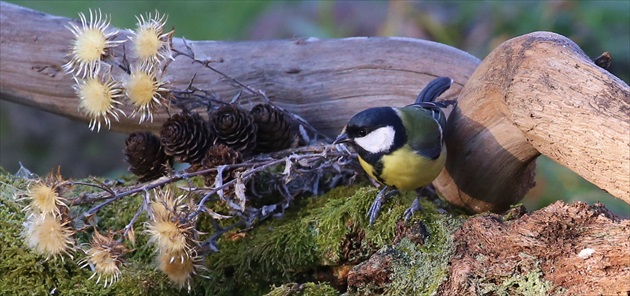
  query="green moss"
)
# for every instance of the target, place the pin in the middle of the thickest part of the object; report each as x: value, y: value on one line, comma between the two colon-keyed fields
x: 529, y: 284
x: 307, y: 289
x: 286, y: 250
x: 25, y: 272
x: 419, y: 270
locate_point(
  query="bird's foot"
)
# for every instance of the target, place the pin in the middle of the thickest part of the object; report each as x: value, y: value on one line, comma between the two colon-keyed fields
x: 381, y: 197
x: 415, y: 206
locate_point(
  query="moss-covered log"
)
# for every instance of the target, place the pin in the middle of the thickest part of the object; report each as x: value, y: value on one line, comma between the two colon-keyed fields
x: 560, y: 249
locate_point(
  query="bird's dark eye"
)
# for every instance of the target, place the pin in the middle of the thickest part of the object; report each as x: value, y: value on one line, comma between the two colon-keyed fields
x: 362, y: 133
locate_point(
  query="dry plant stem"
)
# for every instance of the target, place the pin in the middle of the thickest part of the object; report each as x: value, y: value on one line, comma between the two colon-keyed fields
x: 141, y: 208
x: 259, y: 167
x: 206, y: 63
x: 256, y: 92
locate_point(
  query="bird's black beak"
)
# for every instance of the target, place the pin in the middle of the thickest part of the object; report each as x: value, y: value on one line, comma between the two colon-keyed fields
x: 343, y: 138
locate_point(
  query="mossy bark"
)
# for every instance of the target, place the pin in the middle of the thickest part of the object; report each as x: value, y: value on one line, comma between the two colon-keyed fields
x: 324, y: 246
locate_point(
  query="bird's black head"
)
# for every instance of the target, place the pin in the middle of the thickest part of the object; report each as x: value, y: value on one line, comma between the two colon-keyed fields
x: 374, y: 132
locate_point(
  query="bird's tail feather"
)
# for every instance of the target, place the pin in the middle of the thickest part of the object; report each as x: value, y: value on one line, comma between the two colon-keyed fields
x: 434, y: 89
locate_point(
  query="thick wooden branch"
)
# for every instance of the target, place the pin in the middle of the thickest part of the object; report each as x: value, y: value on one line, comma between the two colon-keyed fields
x: 538, y: 93
x: 324, y: 81
x: 534, y: 94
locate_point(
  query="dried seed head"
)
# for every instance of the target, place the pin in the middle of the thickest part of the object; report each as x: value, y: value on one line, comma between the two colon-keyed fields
x: 48, y: 235
x: 169, y: 228
x: 150, y: 43
x: 146, y: 90
x: 179, y: 267
x: 45, y: 199
x: 99, y: 99
x: 186, y: 137
x: 105, y: 257
x: 145, y: 156
x: 91, y: 42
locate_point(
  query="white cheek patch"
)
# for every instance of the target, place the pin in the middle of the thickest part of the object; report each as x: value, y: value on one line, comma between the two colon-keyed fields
x: 379, y: 140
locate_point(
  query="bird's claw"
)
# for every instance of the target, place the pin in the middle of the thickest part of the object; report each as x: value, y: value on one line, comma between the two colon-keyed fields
x: 415, y: 206
x: 372, y: 213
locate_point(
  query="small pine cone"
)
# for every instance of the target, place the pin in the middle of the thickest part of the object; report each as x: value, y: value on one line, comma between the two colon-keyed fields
x: 186, y: 137
x: 234, y: 128
x: 220, y: 155
x: 274, y: 131
x: 145, y: 156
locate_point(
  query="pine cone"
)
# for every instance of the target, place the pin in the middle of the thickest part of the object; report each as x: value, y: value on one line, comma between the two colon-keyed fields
x: 220, y: 155
x: 234, y: 128
x: 274, y: 131
x: 145, y: 156
x: 186, y: 137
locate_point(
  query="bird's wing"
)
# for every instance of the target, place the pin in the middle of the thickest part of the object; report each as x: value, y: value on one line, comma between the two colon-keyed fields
x: 425, y: 128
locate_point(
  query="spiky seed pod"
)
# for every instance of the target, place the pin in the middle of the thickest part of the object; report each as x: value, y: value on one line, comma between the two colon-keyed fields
x: 179, y: 271
x: 219, y: 155
x: 169, y: 227
x: 235, y: 128
x: 99, y: 99
x: 186, y: 137
x: 274, y: 131
x: 150, y: 43
x: 92, y: 41
x: 145, y: 156
x: 146, y: 89
x: 105, y: 258
x: 49, y: 235
x: 45, y: 200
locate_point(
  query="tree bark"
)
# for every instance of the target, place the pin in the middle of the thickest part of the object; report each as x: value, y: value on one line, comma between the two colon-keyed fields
x: 534, y: 94
x: 538, y: 93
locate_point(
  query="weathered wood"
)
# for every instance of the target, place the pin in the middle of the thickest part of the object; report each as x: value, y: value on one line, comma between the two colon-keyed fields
x: 325, y: 81
x: 534, y: 94
x: 538, y: 93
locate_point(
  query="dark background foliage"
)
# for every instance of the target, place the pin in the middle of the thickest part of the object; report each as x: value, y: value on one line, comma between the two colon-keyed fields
x: 42, y: 141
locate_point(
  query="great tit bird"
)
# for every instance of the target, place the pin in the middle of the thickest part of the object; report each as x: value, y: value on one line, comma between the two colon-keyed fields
x: 401, y: 148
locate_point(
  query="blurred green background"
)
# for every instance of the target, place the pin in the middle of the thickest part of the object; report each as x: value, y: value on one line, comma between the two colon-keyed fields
x: 42, y: 141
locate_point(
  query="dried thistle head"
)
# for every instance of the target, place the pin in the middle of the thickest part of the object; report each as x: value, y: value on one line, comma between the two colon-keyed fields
x: 92, y: 40
x: 146, y: 90
x: 150, y: 43
x: 105, y: 257
x: 99, y: 99
x: 181, y: 269
x: 45, y: 198
x: 169, y: 227
x: 49, y: 235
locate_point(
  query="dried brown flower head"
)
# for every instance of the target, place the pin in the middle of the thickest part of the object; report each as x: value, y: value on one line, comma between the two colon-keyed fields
x: 235, y: 128
x: 186, y: 137
x: 169, y: 228
x: 274, y: 131
x: 219, y: 155
x: 145, y: 156
x: 105, y: 258
x: 49, y: 235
